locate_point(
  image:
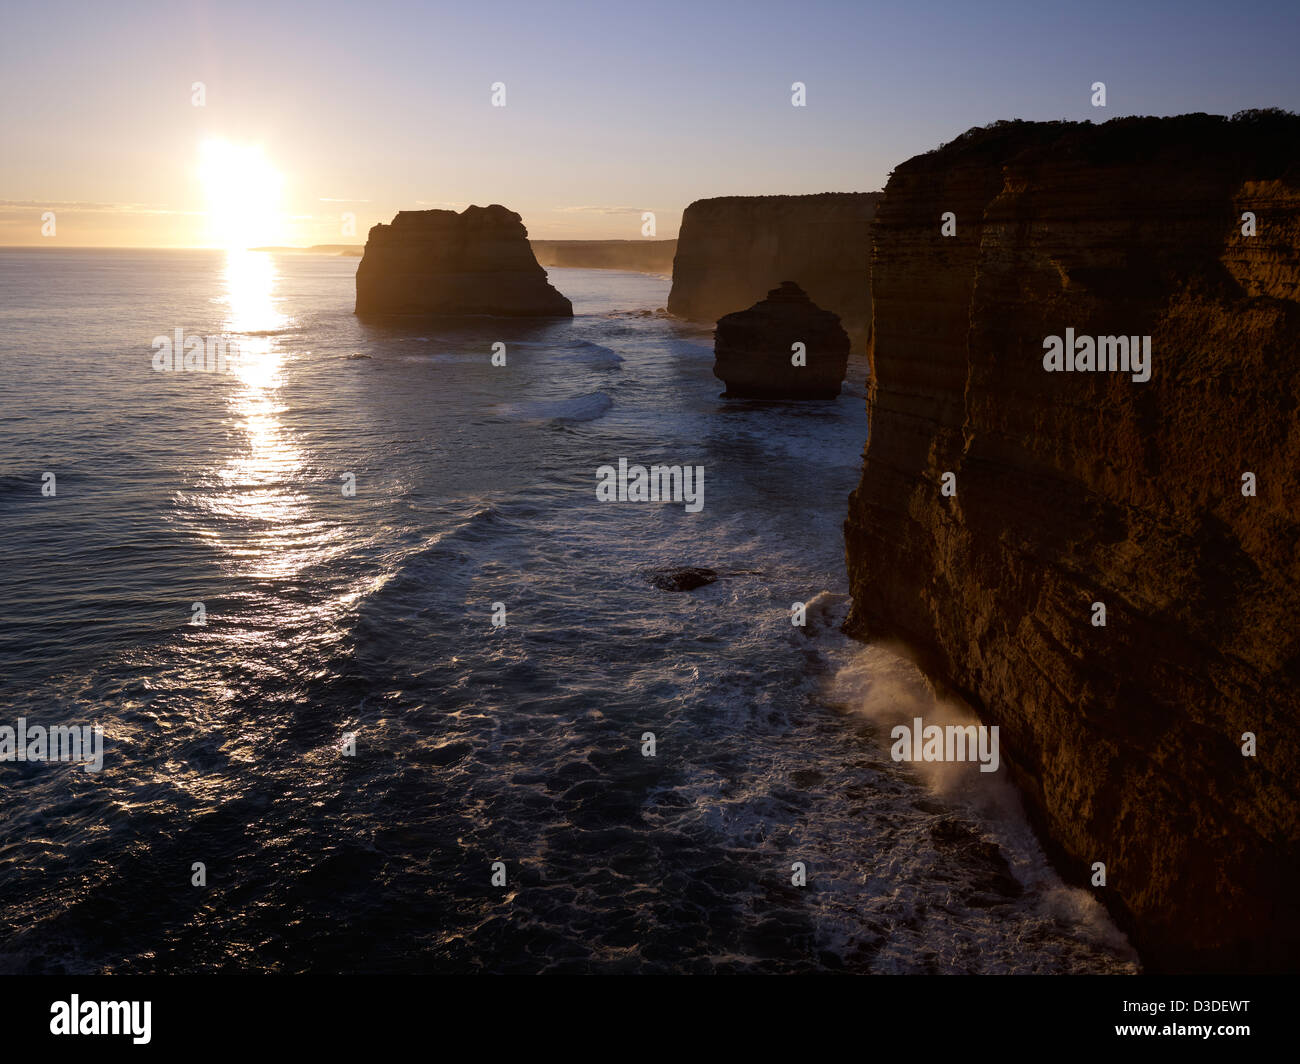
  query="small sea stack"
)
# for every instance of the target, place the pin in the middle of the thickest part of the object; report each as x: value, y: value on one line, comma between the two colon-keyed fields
x: 439, y: 262
x: 756, y: 355
x: 732, y: 249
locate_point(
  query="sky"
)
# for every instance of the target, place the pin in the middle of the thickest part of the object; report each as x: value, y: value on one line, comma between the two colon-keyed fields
x: 321, y: 119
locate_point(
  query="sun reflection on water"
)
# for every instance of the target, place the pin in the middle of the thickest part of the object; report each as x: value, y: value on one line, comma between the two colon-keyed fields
x: 261, y: 501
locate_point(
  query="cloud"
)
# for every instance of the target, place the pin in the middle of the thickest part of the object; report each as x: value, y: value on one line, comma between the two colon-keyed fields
x: 84, y: 207
x: 602, y: 210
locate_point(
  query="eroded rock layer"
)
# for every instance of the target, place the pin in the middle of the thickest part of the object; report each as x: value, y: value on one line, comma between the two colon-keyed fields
x: 733, y: 249
x: 1075, y: 488
x: 441, y: 262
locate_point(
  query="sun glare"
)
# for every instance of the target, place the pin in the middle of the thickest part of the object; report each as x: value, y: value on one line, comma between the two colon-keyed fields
x: 242, y: 190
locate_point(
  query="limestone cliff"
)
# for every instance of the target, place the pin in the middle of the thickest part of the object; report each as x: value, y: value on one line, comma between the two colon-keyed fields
x: 441, y: 262
x: 1075, y: 488
x: 734, y: 249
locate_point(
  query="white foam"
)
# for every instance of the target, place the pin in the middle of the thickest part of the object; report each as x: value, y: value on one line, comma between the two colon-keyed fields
x: 578, y: 409
x: 880, y: 683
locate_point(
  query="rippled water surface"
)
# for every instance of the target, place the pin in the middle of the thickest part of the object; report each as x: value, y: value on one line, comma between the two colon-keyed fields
x: 329, y: 614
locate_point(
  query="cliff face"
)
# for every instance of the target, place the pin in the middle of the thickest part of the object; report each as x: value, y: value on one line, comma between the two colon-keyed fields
x: 640, y: 256
x: 1080, y: 487
x: 732, y: 250
x: 441, y: 262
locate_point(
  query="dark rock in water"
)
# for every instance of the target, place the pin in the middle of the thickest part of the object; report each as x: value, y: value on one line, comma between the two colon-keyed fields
x: 357, y: 355
x: 754, y: 349
x: 441, y: 262
x: 680, y: 578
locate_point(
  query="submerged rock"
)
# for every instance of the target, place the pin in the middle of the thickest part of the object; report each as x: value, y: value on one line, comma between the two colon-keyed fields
x: 441, y: 262
x: 754, y: 349
x: 680, y: 578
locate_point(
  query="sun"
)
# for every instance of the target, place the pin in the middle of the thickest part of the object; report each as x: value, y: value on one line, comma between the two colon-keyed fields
x: 242, y: 189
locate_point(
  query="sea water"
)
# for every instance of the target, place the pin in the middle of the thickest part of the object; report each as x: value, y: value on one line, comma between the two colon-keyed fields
x: 275, y: 589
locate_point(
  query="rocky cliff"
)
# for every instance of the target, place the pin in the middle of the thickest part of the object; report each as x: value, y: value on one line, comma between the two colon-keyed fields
x: 732, y: 250
x: 640, y: 256
x: 1091, y: 486
x: 441, y: 262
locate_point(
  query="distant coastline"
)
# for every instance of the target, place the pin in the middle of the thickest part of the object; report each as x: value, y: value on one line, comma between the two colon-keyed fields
x: 638, y: 256
x: 319, y: 249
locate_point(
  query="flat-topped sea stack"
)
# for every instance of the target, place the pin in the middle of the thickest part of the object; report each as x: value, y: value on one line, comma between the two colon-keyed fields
x: 441, y: 262
x: 755, y: 355
x: 732, y: 249
x: 1080, y: 503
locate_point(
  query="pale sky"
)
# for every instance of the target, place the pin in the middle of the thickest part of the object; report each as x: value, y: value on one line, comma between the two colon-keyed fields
x: 612, y: 109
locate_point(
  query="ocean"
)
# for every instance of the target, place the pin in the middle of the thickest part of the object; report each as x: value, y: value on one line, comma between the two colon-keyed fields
x: 347, y: 766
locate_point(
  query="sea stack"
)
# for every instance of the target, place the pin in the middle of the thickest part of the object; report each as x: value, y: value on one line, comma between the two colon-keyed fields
x: 441, y: 262
x: 732, y: 249
x: 1102, y: 560
x: 755, y: 350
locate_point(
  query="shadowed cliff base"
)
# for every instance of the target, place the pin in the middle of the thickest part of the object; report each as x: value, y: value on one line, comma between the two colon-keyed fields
x: 1084, y: 487
x: 732, y: 250
x: 440, y: 262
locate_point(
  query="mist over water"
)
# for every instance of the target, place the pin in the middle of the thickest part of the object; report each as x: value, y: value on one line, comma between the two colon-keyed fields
x: 371, y: 614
